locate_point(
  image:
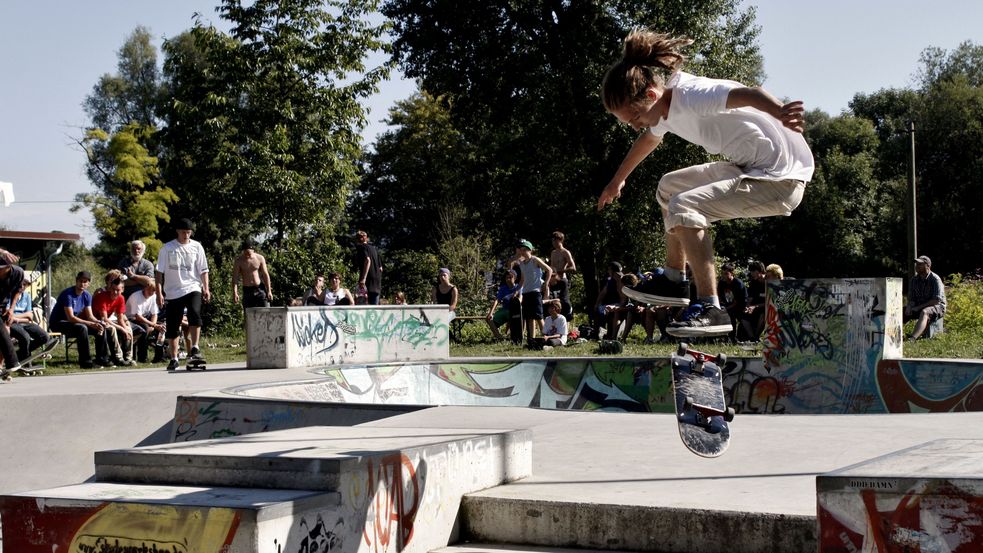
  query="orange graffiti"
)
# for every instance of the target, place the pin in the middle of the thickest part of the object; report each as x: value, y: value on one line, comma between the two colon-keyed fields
x: 392, y: 513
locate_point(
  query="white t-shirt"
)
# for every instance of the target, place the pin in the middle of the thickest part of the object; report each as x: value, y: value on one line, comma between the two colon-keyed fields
x: 751, y: 139
x: 138, y: 304
x: 182, y: 266
x: 553, y: 326
x: 331, y: 297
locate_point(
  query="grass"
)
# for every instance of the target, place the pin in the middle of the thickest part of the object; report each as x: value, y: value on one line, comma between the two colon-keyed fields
x: 216, y: 350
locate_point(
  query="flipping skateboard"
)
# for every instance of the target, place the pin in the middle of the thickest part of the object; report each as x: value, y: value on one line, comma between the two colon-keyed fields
x: 701, y: 410
x: 195, y: 363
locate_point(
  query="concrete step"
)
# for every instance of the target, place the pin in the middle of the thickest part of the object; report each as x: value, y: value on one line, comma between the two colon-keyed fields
x: 575, y: 524
x: 323, y: 457
x: 124, y: 517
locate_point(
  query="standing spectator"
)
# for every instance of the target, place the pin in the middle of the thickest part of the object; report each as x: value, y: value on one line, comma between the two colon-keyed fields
x: 499, y: 312
x: 115, y: 345
x: 733, y: 296
x: 369, y: 269
x: 926, y: 297
x: 555, y: 325
x: 182, y: 275
x: 445, y: 293
x: 139, y: 272
x: 72, y: 316
x: 315, y: 294
x: 534, y: 277
x: 561, y: 261
x: 753, y: 321
x: 250, y: 268
x: 11, y: 282
x: 30, y: 336
x: 335, y: 294
x: 142, y: 312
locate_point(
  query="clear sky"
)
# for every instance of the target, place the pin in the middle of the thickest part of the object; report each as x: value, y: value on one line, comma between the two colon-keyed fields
x: 52, y: 52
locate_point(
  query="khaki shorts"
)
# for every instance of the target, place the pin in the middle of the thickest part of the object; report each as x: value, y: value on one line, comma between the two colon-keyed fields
x: 699, y: 195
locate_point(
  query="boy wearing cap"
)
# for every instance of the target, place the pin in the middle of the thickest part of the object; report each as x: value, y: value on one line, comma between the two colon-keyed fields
x: 534, y: 277
x: 926, y: 297
x: 182, y: 276
x: 72, y: 316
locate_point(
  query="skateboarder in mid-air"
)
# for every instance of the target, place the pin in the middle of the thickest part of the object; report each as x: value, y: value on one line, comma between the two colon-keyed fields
x: 768, y: 168
x: 182, y: 276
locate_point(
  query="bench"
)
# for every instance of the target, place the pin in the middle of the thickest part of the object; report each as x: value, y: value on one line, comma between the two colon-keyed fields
x: 458, y: 324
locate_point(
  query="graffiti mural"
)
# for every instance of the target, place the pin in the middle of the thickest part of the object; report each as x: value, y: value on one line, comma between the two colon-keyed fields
x: 319, y: 336
x: 875, y: 514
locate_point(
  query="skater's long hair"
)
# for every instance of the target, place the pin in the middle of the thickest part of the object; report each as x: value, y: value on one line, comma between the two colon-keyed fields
x: 647, y: 56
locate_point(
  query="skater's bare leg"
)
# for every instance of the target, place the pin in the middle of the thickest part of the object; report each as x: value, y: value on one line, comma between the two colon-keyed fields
x: 698, y: 247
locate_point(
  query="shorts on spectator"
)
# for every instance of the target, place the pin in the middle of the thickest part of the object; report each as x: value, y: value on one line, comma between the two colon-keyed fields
x: 532, y: 306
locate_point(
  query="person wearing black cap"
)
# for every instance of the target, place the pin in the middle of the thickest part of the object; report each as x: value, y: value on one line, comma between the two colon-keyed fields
x: 250, y: 269
x: 182, y: 276
x: 72, y: 316
x: 926, y: 297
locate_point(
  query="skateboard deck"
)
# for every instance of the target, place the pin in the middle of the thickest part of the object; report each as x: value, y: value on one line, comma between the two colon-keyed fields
x: 701, y: 410
x: 195, y: 364
x: 515, y: 321
x: 31, y: 371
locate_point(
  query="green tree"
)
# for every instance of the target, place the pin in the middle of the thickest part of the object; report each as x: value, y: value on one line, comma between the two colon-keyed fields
x: 520, y: 80
x: 122, y: 150
x: 263, y: 123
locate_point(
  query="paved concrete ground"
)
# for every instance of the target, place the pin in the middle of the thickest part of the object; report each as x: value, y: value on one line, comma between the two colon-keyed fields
x: 53, y: 424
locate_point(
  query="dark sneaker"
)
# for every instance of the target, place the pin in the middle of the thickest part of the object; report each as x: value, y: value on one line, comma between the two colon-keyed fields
x: 659, y: 290
x: 711, y: 321
x: 172, y: 365
x: 104, y: 363
x: 87, y: 365
x: 125, y: 362
x: 195, y: 352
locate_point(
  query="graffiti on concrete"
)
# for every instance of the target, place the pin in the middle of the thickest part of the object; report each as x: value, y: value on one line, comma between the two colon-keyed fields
x: 322, y: 336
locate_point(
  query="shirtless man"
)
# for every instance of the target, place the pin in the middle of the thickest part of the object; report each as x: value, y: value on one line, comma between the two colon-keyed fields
x: 250, y: 268
x: 561, y: 261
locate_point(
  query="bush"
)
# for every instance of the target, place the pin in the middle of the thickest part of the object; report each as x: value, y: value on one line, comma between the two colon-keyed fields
x: 964, y: 304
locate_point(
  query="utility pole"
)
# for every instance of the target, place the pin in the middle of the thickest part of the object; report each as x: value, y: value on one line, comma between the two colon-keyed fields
x: 912, y: 208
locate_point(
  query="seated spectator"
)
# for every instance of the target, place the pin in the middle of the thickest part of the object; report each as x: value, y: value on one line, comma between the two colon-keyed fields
x: 315, y: 294
x: 139, y: 272
x: 11, y: 282
x: 115, y: 345
x: 445, y: 293
x: 399, y: 298
x: 335, y: 294
x: 926, y: 297
x: 29, y: 335
x: 753, y: 320
x: 774, y: 272
x: 72, y: 316
x: 555, y: 325
x: 142, y: 312
x: 508, y: 290
x: 733, y: 296
x: 628, y: 311
x: 608, y: 299
x: 560, y: 290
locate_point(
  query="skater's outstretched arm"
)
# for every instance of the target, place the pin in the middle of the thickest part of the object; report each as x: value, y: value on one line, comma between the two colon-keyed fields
x: 792, y: 114
x: 644, y: 145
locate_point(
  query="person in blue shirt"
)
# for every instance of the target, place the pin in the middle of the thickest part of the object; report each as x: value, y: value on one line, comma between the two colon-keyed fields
x: 30, y: 336
x: 507, y: 291
x: 72, y: 316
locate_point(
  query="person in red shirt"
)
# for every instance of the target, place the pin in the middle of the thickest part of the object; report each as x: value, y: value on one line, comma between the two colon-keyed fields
x: 109, y: 307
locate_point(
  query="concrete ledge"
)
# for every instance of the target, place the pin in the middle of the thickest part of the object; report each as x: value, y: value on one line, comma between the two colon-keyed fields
x: 633, y: 527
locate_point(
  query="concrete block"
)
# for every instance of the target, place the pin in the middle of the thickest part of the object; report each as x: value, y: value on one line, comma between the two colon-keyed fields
x: 316, y: 336
x: 927, y: 498
x: 99, y: 517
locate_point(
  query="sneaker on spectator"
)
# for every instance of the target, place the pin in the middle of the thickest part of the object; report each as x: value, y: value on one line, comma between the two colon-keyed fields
x: 660, y: 290
x: 103, y: 363
x: 172, y: 365
x: 711, y: 321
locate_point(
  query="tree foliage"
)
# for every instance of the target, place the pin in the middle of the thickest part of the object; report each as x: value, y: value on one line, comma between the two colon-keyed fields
x: 518, y: 84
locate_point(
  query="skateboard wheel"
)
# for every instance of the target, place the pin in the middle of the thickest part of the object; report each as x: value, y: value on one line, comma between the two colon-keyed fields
x: 721, y: 360
x: 682, y: 349
x: 729, y: 414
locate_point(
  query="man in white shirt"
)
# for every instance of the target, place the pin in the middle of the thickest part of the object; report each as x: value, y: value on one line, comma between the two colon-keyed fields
x: 182, y: 277
x: 141, y: 311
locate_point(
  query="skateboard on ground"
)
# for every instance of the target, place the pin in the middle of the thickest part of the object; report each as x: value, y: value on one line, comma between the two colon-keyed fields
x: 42, y: 354
x: 515, y: 321
x: 701, y: 410
x: 195, y: 363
